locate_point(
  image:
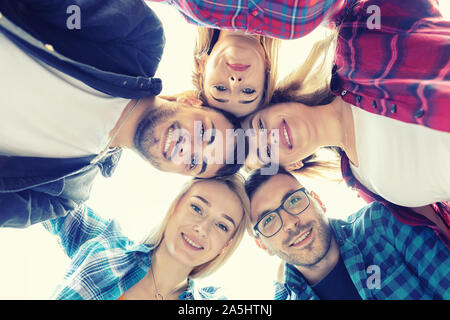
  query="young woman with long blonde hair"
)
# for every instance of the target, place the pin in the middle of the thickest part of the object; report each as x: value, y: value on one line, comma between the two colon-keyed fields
x: 202, y: 228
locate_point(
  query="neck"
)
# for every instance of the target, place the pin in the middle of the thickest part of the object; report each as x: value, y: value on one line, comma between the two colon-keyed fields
x: 129, y: 120
x: 336, y: 127
x: 170, y: 275
x: 313, y: 274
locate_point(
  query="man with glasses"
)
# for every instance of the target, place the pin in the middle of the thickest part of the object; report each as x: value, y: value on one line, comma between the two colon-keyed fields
x: 369, y: 256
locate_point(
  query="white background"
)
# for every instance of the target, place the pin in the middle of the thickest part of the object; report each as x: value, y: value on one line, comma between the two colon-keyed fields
x: 31, y: 261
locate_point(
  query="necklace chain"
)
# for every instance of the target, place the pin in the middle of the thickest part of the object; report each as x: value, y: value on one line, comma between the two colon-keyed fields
x: 158, y: 295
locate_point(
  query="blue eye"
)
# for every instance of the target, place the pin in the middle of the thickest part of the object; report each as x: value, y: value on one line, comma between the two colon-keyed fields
x: 220, y: 88
x: 267, y: 221
x: 248, y: 91
x: 294, y: 200
x: 222, y: 227
x: 196, y: 209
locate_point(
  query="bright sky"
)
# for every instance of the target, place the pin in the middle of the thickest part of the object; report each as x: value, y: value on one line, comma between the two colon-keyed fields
x: 138, y: 196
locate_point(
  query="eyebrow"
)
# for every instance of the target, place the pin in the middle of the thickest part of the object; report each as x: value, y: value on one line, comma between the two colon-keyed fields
x: 227, y: 217
x: 219, y: 100
x: 240, y: 101
x: 258, y: 154
x: 213, y: 133
x: 265, y: 212
x: 203, y: 200
x: 204, y: 166
x: 248, y: 101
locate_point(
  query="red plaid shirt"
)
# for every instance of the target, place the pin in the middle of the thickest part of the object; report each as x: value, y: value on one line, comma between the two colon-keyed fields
x: 288, y: 19
x: 400, y: 70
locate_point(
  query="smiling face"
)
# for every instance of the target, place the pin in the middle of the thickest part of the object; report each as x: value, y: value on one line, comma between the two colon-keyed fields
x: 203, y: 223
x: 180, y: 138
x: 296, y: 127
x: 234, y: 74
x: 303, y: 240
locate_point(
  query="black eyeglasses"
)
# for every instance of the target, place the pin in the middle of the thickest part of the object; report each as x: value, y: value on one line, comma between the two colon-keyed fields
x: 295, y: 203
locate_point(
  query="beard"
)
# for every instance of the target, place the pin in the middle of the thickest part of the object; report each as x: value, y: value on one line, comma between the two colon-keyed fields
x: 312, y: 253
x: 145, y: 138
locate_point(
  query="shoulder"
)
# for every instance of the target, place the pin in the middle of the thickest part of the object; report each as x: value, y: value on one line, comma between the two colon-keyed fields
x: 373, y: 220
x: 372, y: 215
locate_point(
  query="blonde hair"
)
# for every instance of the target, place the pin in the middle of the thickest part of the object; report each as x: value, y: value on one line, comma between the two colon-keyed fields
x: 236, y: 184
x: 203, y: 47
x: 310, y: 85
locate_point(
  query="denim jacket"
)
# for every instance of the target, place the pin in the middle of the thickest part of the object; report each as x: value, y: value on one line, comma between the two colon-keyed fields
x: 116, y: 51
x: 33, y: 189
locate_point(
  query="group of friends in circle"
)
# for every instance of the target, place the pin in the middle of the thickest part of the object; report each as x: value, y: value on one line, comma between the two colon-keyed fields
x: 375, y: 99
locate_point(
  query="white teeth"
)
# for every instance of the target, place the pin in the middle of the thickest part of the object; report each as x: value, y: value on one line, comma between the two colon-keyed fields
x: 192, y: 243
x: 286, y: 136
x: 168, y: 139
x: 302, y: 238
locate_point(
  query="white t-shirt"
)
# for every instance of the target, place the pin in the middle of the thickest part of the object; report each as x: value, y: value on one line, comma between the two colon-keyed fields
x: 406, y: 164
x: 45, y: 113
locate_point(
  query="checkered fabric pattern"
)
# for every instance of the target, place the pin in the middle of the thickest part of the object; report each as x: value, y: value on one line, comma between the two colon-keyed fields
x: 288, y: 19
x: 412, y: 262
x: 400, y: 68
x: 105, y: 263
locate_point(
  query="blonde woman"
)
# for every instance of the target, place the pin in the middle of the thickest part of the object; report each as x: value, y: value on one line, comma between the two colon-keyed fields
x: 202, y: 228
x: 236, y: 53
x: 233, y: 71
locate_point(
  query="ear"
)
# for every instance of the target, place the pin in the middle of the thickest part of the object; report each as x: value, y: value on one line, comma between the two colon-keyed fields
x: 317, y: 198
x: 262, y: 246
x: 192, y: 101
x: 294, y: 166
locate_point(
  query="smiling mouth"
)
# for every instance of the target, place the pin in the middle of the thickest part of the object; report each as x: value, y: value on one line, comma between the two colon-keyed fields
x: 285, y: 134
x: 168, y: 143
x: 303, y: 238
x: 238, y: 67
x: 191, y: 242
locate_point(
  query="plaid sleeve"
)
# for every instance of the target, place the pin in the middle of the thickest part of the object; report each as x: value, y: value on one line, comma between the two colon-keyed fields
x: 281, y: 292
x: 277, y: 19
x: 76, y: 228
x: 422, y: 251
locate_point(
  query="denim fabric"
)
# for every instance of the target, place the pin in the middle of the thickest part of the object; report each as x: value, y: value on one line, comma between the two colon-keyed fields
x: 33, y: 190
x: 116, y: 51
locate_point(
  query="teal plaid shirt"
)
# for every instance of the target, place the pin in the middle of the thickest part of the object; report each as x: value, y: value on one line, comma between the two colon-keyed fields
x: 105, y: 263
x: 384, y: 258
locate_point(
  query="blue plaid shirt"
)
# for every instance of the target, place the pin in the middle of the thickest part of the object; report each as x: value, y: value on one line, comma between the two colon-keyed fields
x: 411, y: 261
x: 105, y: 263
